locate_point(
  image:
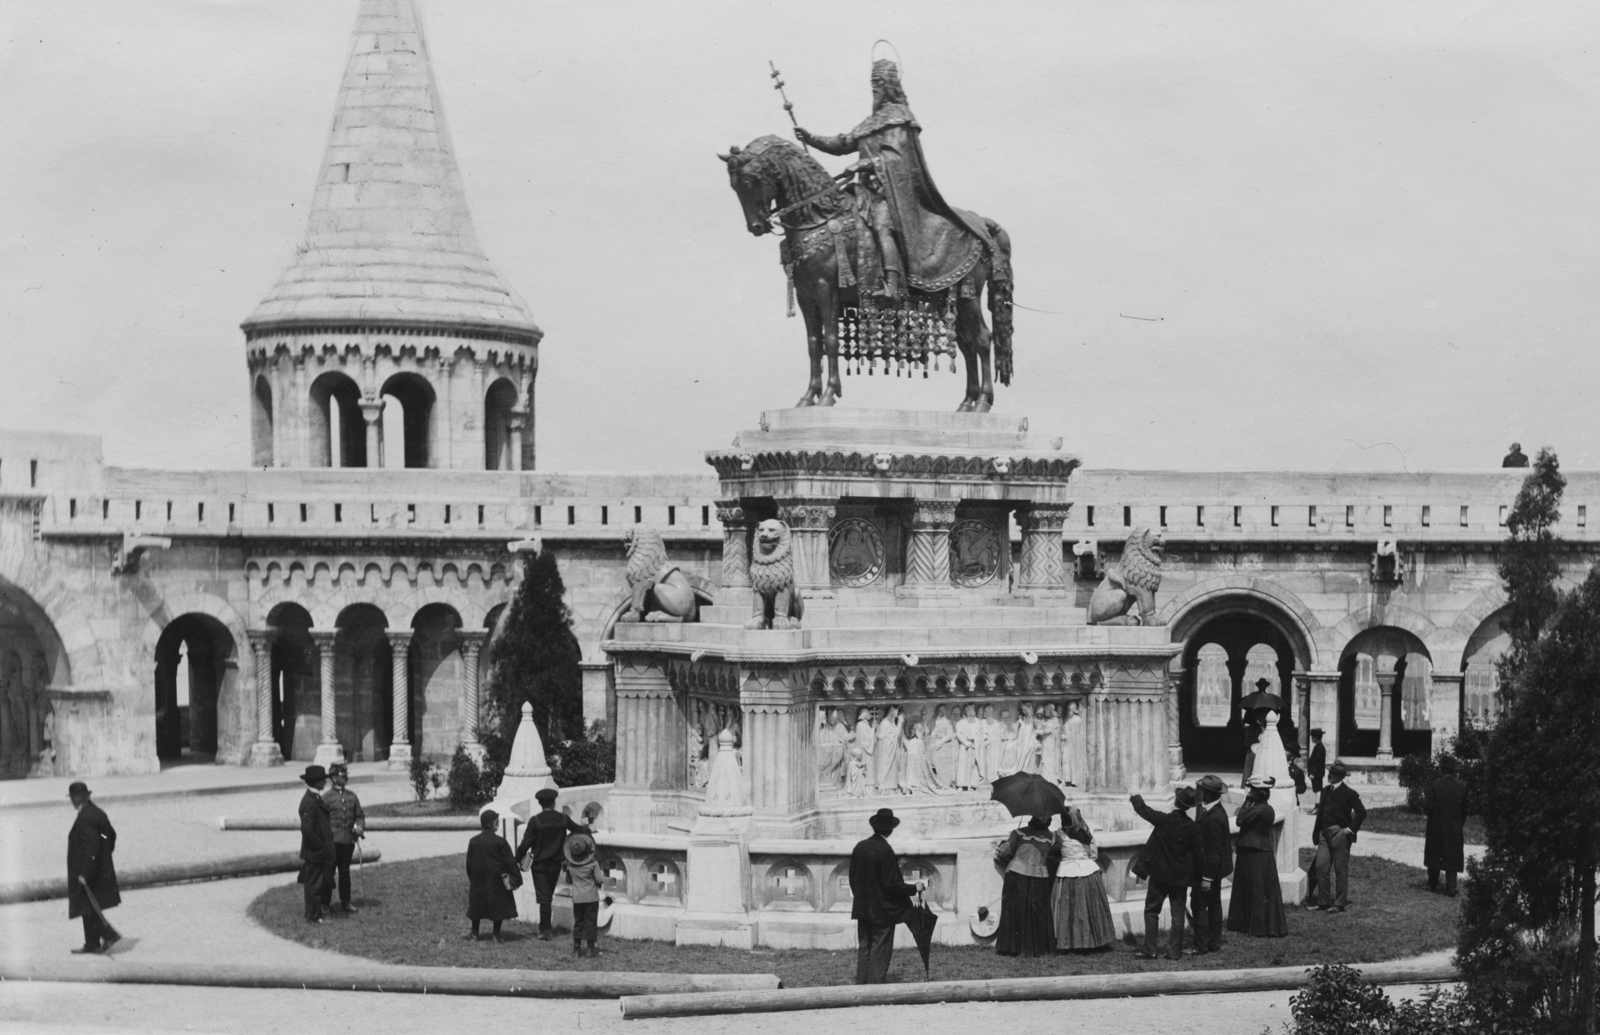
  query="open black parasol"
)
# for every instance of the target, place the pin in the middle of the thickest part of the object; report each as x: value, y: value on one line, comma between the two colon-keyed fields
x: 1028, y: 794
x: 1261, y: 701
x: 921, y: 920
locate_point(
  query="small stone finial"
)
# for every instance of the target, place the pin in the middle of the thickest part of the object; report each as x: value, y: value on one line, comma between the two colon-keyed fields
x: 528, y: 772
x: 725, y: 789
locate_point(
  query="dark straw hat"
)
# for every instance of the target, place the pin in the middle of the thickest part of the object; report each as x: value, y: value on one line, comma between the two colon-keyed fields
x: 314, y: 774
x: 883, y: 821
x: 78, y: 789
x: 1183, y: 797
x: 578, y: 849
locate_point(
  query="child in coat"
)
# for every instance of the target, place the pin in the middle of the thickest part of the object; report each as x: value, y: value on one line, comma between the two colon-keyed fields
x: 583, y: 874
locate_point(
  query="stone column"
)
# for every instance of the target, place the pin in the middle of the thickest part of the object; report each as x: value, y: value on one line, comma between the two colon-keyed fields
x: 400, y: 695
x: 652, y: 744
x: 1175, y: 768
x: 1126, y: 730
x: 779, y: 756
x: 471, y: 648
x: 1302, y: 713
x: 265, y: 750
x: 1042, y: 570
x: 1323, y: 690
x: 1444, y: 708
x: 809, y: 521
x: 372, y: 413
x: 1386, y: 681
x: 735, y: 588
x: 518, y: 421
x: 928, y: 551
x: 329, y: 750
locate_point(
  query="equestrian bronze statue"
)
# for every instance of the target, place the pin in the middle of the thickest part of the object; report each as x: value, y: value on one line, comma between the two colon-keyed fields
x: 885, y: 272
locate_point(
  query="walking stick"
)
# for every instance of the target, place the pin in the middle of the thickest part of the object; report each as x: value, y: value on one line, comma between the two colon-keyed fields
x: 361, y: 867
x: 112, y: 934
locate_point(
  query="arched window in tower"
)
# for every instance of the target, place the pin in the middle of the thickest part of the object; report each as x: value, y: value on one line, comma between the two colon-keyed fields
x: 1213, y: 687
x: 407, y: 421
x: 338, y: 431
x: 261, y: 430
x: 499, y: 443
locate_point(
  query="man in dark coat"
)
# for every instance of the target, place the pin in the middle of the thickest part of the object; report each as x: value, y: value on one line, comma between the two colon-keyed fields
x: 316, y: 841
x: 1515, y: 458
x: 1338, y: 820
x: 882, y: 899
x: 90, y: 870
x: 1445, y: 802
x: 1213, y: 861
x: 492, y: 876
x: 542, y: 843
x: 1170, y: 852
x: 1317, y: 764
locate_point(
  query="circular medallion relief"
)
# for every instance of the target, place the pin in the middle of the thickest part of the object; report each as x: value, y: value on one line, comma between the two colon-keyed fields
x: 855, y: 552
x: 974, y: 553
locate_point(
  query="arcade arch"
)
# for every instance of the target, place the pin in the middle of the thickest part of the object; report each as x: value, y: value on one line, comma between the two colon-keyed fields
x: 1481, y: 677
x: 338, y: 431
x: 196, y: 667
x: 32, y: 660
x: 1227, y: 648
x: 437, y: 670
x: 362, y: 682
x: 296, y: 696
x: 1372, y: 657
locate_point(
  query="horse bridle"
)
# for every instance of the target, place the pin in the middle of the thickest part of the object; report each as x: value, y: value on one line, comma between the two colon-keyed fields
x: 775, y: 221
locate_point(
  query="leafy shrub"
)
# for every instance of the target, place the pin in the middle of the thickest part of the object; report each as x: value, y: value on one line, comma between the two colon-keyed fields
x: 1416, y: 772
x: 1338, y: 1002
x: 590, y: 760
x: 472, y: 785
x: 422, y: 776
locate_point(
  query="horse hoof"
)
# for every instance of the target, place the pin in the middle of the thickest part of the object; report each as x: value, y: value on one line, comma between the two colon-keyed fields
x: 805, y: 400
x: 828, y: 400
x: 983, y: 406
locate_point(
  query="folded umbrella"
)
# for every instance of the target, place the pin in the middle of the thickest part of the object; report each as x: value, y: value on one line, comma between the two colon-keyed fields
x: 112, y: 935
x: 1028, y: 794
x: 921, y: 920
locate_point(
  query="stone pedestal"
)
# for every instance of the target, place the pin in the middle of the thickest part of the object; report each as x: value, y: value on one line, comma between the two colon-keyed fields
x: 1444, y: 709
x: 328, y: 750
x: 652, y: 745
x: 717, y: 911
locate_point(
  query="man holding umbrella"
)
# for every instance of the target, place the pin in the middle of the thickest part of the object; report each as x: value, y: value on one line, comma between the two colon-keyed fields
x: 91, y: 876
x: 882, y: 899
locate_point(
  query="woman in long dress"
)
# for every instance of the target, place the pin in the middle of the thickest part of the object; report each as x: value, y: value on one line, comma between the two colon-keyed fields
x: 1026, y: 862
x: 969, y: 774
x: 1074, y: 748
x: 1049, y: 743
x: 1256, y: 906
x: 866, y: 739
x: 1078, y: 903
x: 942, y: 749
x: 890, y: 758
x: 1027, y: 739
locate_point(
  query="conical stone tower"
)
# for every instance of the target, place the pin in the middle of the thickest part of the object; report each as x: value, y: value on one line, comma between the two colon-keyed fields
x: 390, y: 301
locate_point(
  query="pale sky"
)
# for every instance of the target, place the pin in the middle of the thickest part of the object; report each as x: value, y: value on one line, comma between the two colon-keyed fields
x: 1362, y: 235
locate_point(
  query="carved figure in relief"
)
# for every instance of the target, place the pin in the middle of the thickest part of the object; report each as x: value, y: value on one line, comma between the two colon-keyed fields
x: 942, y: 749
x: 920, y: 777
x: 856, y: 765
x: 1010, y: 757
x: 1074, y: 748
x: 697, y: 750
x: 831, y: 738
x: 890, y: 760
x: 968, y: 730
x: 776, y: 604
x: 1027, y: 738
x: 865, y: 741
x: 1132, y: 580
x: 657, y: 588
x: 1049, y: 743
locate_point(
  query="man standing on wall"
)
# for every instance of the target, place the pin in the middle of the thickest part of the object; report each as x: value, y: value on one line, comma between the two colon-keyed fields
x: 882, y: 899
x: 316, y: 841
x: 90, y: 871
x: 1339, y: 818
x: 1213, y: 861
x: 349, y: 826
x: 543, y: 841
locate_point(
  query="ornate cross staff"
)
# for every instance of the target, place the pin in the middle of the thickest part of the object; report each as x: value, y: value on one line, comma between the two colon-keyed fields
x: 788, y: 106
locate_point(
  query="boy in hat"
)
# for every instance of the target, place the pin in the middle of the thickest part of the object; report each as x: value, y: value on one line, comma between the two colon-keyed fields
x: 90, y: 871
x: 543, y: 842
x: 491, y: 877
x: 1213, y: 862
x: 583, y: 873
x: 1170, y: 852
x: 882, y: 899
x: 1339, y: 817
x: 1317, y: 764
x: 349, y: 826
x: 316, y: 841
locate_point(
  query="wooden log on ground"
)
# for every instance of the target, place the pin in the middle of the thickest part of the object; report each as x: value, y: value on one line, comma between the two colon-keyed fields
x: 546, y: 984
x: 373, y: 823
x: 1005, y: 990
x: 170, y: 873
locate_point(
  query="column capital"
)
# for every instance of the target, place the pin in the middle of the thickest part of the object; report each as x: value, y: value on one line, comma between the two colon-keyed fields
x: 322, y: 637
x: 472, y: 637
x: 399, y: 637
x: 1043, y: 517
x: 1386, y: 681
x: 1448, y: 677
x: 261, y: 639
x: 933, y: 514
x: 731, y: 513
x: 807, y: 514
x: 371, y: 410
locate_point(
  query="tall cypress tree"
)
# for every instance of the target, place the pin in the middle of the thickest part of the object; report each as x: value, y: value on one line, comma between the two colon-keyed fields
x: 535, y: 659
x: 1527, y: 943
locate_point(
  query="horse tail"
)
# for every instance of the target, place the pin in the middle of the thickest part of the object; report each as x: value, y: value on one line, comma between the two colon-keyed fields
x: 1000, y: 289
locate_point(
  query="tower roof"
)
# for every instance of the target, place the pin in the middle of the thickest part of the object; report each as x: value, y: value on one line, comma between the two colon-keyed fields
x: 389, y: 239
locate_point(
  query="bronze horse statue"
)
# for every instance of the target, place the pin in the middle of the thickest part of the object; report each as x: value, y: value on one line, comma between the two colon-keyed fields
x: 782, y: 187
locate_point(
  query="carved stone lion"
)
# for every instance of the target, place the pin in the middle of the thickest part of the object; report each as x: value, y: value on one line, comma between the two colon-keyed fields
x: 657, y: 588
x: 1133, y: 580
x: 776, y: 605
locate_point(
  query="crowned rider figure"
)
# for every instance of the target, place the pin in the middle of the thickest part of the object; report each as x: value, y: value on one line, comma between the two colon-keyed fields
x: 896, y: 187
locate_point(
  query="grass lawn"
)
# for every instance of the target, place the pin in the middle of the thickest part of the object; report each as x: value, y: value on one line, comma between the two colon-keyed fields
x: 414, y: 913
x: 1397, y: 819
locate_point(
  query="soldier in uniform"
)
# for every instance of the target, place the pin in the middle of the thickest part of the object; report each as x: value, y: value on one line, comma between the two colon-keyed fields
x: 542, y: 844
x: 349, y: 826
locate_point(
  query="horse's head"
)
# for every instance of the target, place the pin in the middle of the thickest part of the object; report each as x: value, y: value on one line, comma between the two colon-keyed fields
x: 754, y: 179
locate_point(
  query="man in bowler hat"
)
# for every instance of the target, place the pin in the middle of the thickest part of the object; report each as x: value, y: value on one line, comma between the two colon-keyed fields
x: 882, y: 899
x: 90, y: 871
x: 1339, y: 818
x: 1213, y: 862
x: 1170, y: 852
x: 316, y: 841
x: 542, y: 844
x: 1317, y: 764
